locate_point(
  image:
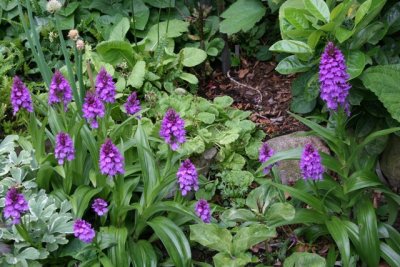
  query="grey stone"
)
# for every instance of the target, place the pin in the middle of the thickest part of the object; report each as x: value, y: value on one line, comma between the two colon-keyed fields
x: 390, y: 162
x: 289, y: 169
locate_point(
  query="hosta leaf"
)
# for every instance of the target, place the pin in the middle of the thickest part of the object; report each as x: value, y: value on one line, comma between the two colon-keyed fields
x: 384, y: 82
x: 241, y: 15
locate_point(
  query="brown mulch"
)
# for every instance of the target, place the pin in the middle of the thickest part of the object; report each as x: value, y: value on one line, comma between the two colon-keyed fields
x: 258, y: 88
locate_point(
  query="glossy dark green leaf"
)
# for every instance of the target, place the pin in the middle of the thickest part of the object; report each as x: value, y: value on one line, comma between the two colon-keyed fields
x: 173, y: 239
x: 368, y: 231
x: 339, y: 234
x: 142, y: 254
x: 292, y: 64
x: 318, y: 8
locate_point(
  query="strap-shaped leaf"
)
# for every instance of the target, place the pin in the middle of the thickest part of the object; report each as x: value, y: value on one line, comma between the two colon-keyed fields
x: 339, y: 234
x: 174, y: 240
x: 142, y: 254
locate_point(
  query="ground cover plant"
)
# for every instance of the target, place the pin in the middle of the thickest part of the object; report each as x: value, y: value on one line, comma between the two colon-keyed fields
x: 115, y: 160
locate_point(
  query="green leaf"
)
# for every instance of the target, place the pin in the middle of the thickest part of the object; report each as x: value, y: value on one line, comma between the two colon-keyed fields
x: 368, y: 232
x: 147, y: 162
x: 143, y: 254
x: 292, y: 64
x: 296, y: 17
x: 249, y: 236
x: 355, y: 61
x: 384, y: 82
x: 241, y: 15
x: 115, y: 52
x: 81, y: 198
x: 119, y: 30
x: 360, y: 180
x: 173, y: 239
x: 141, y: 15
x: 193, y: 56
x: 136, y: 78
x: 362, y: 11
x: 318, y: 8
x: 339, y: 234
x: 238, y: 215
x: 291, y: 46
x: 225, y: 260
x: 190, y: 78
x: 279, y: 212
x: 304, y: 259
x: 389, y: 255
x: 259, y: 199
x: 159, y: 31
x: 161, y: 3
x: 227, y: 138
x: 211, y: 236
x: 207, y: 118
x: 223, y: 101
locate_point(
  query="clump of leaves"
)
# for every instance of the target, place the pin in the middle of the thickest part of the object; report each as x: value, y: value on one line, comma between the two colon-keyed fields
x: 234, y: 185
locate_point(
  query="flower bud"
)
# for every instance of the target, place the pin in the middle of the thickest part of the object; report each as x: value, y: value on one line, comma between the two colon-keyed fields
x: 73, y: 34
x: 53, y: 6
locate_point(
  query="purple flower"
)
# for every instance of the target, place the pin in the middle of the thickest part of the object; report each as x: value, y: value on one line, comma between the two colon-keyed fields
x: 20, y: 96
x: 203, y: 210
x: 333, y: 78
x: 64, y: 148
x: 111, y: 160
x: 15, y: 204
x: 60, y: 90
x: 187, y: 177
x: 105, y: 86
x: 310, y: 163
x: 100, y: 206
x: 132, y: 104
x: 173, y: 129
x: 93, y: 109
x: 265, y: 153
x: 84, y: 231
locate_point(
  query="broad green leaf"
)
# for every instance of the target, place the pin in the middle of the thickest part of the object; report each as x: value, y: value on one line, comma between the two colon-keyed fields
x: 227, y: 138
x: 136, y: 78
x: 291, y: 46
x: 384, y: 82
x: 318, y: 8
x: 292, y: 64
x: 392, y: 18
x: 259, y: 199
x: 251, y: 235
x: 207, y: 118
x: 161, y: 3
x: 238, y: 215
x: 372, y: 34
x: 173, y: 239
x: 117, y: 253
x: 368, y: 230
x: 141, y: 14
x: 225, y: 260
x: 223, y: 101
x: 374, y: 10
x: 339, y: 234
x: 279, y: 212
x: 242, y: 15
x: 142, y: 254
x: 296, y: 17
x: 190, y: 78
x: 115, y: 52
x: 212, y: 236
x: 343, y: 34
x: 298, y: 259
x: 360, y: 180
x: 159, y: 32
x: 119, y: 30
x: 29, y: 253
x: 193, y: 56
x: 355, y: 61
x: 362, y: 11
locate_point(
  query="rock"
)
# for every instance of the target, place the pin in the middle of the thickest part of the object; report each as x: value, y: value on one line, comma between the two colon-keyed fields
x: 390, y: 162
x: 289, y: 169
